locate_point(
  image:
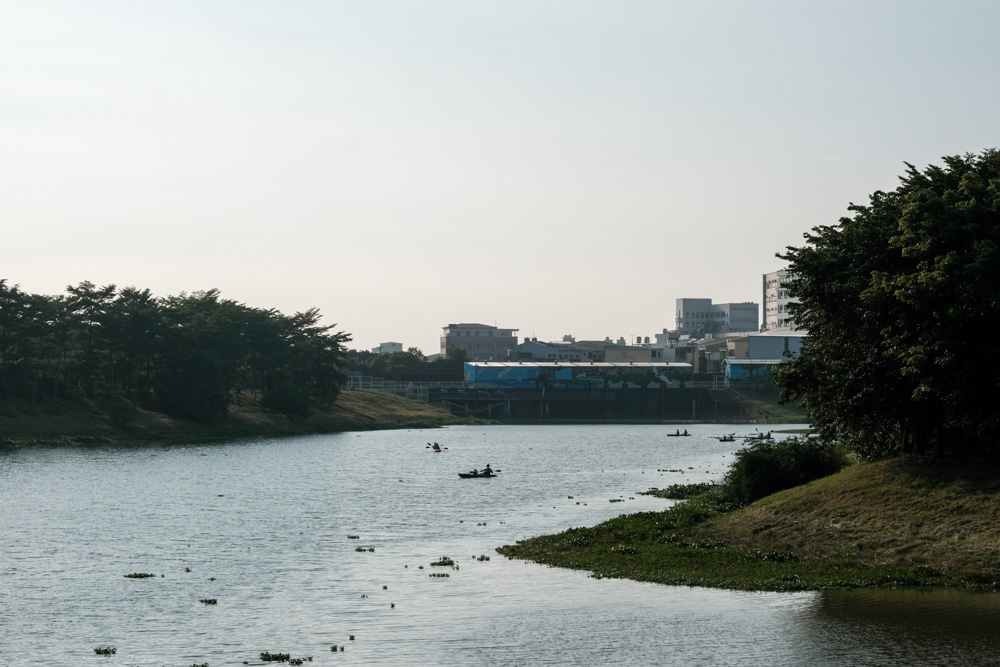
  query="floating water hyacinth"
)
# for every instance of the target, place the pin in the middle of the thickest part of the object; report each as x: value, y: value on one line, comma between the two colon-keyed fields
x: 139, y: 575
x: 110, y: 650
x: 209, y: 601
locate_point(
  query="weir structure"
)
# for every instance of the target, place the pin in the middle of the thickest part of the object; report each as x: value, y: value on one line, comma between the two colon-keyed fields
x: 531, y: 391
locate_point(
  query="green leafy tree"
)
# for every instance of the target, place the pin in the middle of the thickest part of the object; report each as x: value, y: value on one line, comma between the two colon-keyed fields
x: 706, y: 327
x: 899, y: 299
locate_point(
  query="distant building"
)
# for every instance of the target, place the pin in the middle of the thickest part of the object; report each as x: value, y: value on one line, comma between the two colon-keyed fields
x: 387, y: 348
x: 776, y: 302
x: 571, y: 350
x: 775, y: 344
x: 732, y: 317
x: 481, y: 342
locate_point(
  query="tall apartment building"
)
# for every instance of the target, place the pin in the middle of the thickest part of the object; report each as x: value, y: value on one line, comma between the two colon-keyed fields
x: 776, y: 301
x: 480, y: 341
x: 732, y: 317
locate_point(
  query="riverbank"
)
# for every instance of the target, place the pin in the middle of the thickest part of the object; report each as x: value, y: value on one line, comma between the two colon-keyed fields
x: 79, y: 422
x: 899, y: 523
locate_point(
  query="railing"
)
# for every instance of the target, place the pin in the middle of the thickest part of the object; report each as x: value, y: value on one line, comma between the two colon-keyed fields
x: 417, y: 390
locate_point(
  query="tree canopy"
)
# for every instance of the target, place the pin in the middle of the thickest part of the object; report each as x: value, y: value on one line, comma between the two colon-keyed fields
x: 900, y: 300
x: 188, y: 355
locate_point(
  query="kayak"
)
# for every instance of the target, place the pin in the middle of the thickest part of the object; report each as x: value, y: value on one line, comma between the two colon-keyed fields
x: 469, y: 475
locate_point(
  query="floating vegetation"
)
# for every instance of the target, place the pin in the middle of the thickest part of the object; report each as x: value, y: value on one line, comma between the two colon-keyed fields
x: 615, y: 500
x: 195, y: 664
x: 352, y: 637
x: 385, y: 588
x: 482, y: 557
x: 208, y: 601
x: 570, y: 497
x: 354, y: 537
x: 439, y: 574
x: 364, y: 595
x: 445, y: 562
x: 267, y: 656
x: 187, y: 569
x: 110, y: 650
x: 139, y: 575
x: 371, y: 549
x: 392, y: 605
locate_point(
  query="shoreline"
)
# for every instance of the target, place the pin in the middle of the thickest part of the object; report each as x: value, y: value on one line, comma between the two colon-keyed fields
x: 902, y: 523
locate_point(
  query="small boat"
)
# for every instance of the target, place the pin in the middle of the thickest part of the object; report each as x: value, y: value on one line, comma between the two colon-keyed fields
x: 677, y: 435
x: 475, y: 475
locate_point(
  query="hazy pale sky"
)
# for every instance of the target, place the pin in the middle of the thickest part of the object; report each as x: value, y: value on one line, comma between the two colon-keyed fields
x: 556, y: 167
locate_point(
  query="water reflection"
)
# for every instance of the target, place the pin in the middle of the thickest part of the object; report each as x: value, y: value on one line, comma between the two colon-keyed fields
x: 263, y: 527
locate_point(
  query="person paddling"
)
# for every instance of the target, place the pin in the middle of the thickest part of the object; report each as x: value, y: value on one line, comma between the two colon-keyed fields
x: 487, y: 470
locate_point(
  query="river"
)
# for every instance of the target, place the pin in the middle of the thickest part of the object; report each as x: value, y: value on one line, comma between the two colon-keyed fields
x: 306, y: 542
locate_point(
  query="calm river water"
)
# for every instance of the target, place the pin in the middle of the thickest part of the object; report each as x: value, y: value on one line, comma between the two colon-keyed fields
x: 263, y: 528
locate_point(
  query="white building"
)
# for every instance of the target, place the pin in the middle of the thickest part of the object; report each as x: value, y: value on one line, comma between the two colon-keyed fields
x: 776, y: 301
x: 731, y: 317
x: 387, y: 348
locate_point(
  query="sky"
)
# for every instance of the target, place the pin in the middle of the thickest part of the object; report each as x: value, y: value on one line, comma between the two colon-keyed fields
x: 563, y: 167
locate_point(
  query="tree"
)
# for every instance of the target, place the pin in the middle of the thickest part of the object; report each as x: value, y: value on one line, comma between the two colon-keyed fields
x: 706, y: 327
x: 899, y: 299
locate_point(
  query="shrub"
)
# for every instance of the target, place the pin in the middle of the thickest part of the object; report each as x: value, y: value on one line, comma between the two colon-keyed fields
x: 767, y: 467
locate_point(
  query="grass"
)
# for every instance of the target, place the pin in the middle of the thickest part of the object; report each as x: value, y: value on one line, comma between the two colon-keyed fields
x: 80, y: 422
x: 899, y: 523
x: 767, y: 400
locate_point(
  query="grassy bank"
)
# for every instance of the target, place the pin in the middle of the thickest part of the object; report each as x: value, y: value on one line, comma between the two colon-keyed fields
x: 86, y: 422
x: 906, y: 522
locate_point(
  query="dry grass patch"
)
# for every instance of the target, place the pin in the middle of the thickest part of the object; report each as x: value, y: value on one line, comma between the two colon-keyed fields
x: 900, y: 512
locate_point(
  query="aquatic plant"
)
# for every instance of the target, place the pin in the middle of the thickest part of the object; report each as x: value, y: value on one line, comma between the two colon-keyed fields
x: 440, y: 574
x: 354, y: 537
x: 139, y: 575
x: 445, y: 561
x: 267, y: 656
x: 209, y: 601
x: 195, y: 664
x: 110, y: 650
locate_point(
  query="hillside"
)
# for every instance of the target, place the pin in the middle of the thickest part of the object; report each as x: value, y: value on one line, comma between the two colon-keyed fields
x: 901, y: 512
x: 82, y: 422
x: 903, y: 522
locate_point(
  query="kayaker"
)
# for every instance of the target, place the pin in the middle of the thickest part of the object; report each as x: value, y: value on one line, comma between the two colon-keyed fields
x: 487, y: 470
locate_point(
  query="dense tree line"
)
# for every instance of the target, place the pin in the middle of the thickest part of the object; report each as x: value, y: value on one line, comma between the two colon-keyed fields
x: 187, y: 355
x: 902, y: 304
x: 409, y: 364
